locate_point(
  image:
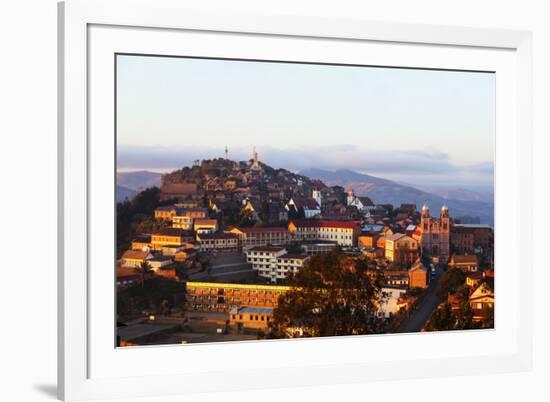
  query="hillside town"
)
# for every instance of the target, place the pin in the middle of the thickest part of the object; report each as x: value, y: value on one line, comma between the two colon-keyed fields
x: 211, y: 256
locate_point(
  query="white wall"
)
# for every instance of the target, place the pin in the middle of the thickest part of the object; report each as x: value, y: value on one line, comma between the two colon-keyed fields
x: 28, y: 167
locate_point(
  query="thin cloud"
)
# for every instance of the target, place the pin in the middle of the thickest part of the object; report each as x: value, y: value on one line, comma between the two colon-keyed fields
x: 426, y: 164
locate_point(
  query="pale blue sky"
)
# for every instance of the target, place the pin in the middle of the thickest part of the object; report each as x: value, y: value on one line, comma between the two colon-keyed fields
x: 381, y: 121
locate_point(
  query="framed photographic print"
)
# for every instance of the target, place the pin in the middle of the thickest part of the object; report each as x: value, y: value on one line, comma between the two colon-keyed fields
x: 288, y: 200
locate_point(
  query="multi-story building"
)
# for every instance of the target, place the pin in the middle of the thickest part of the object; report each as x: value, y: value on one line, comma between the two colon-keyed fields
x: 317, y: 247
x: 208, y: 296
x: 343, y: 233
x: 286, y: 264
x: 309, y: 206
x: 169, y: 237
x: 205, y: 225
x: 251, y: 317
x: 462, y: 239
x: 273, y: 262
x: 400, y: 248
x: 482, y: 297
x: 184, y: 218
x: 389, y: 302
x: 367, y: 240
x: 217, y: 242
x: 134, y: 258
x: 465, y: 262
x: 418, y: 276
x: 182, y: 222
x: 261, y: 236
x: 473, y: 238
x: 141, y: 242
x: 433, y: 234
x: 177, y: 191
x: 165, y: 212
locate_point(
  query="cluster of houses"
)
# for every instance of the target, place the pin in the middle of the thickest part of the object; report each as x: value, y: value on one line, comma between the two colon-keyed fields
x: 291, y: 219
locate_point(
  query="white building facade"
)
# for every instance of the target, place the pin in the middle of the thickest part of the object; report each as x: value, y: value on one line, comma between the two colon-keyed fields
x: 274, y: 262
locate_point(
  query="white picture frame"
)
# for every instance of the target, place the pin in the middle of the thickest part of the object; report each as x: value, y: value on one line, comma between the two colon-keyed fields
x: 89, y: 367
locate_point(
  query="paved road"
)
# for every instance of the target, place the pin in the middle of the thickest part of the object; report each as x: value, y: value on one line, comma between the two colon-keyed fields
x: 416, y: 321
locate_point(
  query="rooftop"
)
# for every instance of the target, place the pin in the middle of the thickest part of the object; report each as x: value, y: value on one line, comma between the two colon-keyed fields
x: 395, y: 236
x: 135, y: 255
x: 324, y: 223
x: 213, y: 236
x: 308, y: 203
x: 290, y: 256
x: 205, y: 221
x: 142, y: 238
x: 472, y: 226
x: 464, y: 259
x: 256, y: 310
x: 267, y: 248
x: 260, y: 229
x: 170, y: 232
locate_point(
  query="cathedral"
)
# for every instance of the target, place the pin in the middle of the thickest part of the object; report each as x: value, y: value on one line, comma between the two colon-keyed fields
x: 433, y: 234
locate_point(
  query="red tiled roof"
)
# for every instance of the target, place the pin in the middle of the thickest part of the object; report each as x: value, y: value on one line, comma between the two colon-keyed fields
x: 205, y: 221
x: 308, y: 203
x: 170, y: 232
x: 220, y: 235
x: 179, y: 188
x: 323, y: 223
x: 135, y: 254
x: 464, y: 259
x: 261, y: 229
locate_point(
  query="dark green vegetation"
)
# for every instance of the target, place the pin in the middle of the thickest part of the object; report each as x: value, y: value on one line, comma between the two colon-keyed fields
x: 333, y: 295
x: 155, y: 295
x: 137, y: 216
x: 444, y: 318
x: 450, y: 282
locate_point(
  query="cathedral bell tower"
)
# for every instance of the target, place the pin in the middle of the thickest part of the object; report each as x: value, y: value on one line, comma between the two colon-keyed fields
x: 351, y: 196
x: 425, y: 219
x: 317, y: 196
x: 445, y: 233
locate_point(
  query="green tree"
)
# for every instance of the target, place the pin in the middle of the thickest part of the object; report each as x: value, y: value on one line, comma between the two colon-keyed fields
x: 488, y: 317
x: 441, y: 319
x: 144, y: 269
x: 449, y: 282
x: 332, y: 294
x: 131, y: 213
x: 465, y: 317
x: 246, y: 218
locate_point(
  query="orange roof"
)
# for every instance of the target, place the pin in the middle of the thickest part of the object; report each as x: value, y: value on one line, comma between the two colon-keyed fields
x: 464, y: 259
x: 135, y: 255
x: 205, y: 221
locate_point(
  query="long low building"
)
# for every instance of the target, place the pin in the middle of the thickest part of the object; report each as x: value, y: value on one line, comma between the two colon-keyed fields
x: 343, y: 233
x: 217, y: 242
x: 261, y: 236
x: 210, y: 296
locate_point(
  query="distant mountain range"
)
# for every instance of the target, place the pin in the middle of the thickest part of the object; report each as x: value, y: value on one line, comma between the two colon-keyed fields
x: 383, y: 191
x: 129, y: 184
